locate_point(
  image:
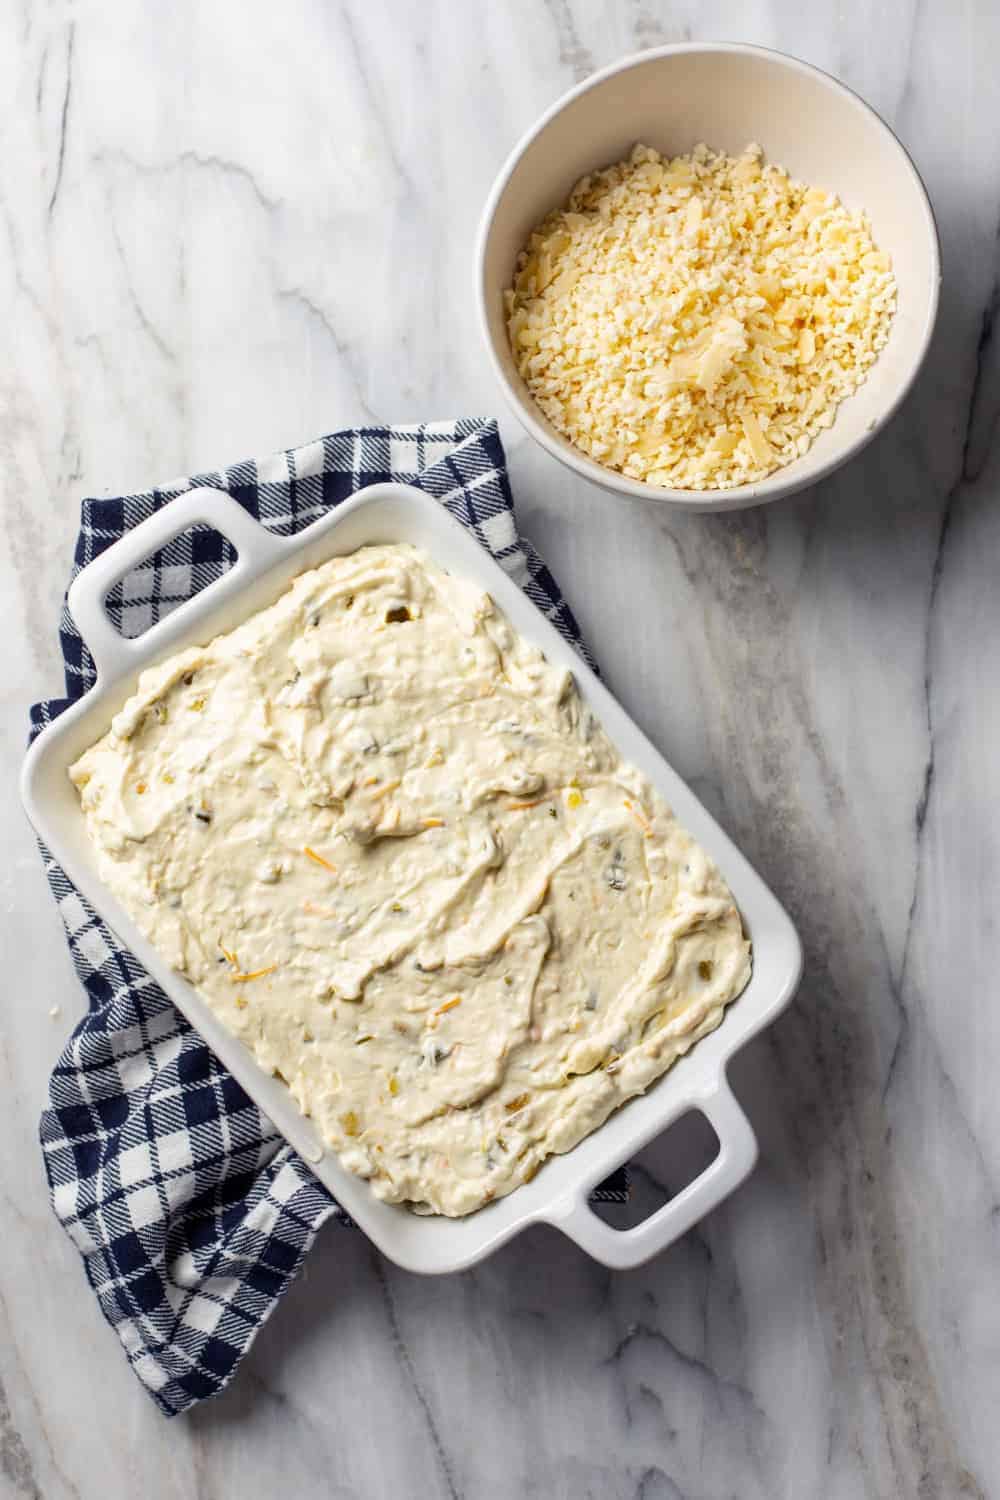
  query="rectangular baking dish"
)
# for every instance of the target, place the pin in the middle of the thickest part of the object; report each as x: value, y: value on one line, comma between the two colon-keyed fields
x: 265, y: 565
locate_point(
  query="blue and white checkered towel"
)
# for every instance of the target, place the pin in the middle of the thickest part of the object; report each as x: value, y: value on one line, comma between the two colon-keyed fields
x: 191, y: 1212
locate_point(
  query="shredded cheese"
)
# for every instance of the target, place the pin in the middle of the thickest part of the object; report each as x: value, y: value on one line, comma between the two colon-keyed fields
x: 695, y: 322
x: 318, y: 859
x: 639, y: 816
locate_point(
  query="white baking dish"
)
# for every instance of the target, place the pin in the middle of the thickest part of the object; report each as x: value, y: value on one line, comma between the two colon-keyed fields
x: 558, y: 1195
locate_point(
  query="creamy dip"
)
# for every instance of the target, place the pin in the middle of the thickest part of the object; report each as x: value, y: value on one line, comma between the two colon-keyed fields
x: 401, y: 861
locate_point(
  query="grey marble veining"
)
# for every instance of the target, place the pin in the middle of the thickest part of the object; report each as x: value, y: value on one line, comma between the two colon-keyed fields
x: 228, y: 228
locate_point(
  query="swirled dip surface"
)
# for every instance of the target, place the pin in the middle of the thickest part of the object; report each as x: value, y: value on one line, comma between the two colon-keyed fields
x: 401, y: 861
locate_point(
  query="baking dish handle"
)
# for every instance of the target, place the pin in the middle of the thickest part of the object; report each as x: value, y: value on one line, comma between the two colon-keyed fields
x: 113, y: 653
x: 623, y: 1248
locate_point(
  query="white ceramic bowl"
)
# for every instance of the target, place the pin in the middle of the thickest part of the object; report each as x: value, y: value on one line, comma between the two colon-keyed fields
x: 726, y: 96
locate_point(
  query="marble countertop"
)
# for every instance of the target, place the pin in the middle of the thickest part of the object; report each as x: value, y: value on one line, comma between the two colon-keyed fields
x: 230, y: 228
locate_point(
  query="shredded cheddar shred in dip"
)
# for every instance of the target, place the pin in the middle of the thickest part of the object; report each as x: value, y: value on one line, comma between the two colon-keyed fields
x: 695, y: 322
x: 399, y: 859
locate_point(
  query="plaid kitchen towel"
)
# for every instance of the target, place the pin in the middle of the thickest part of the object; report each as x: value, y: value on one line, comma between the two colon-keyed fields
x: 191, y: 1213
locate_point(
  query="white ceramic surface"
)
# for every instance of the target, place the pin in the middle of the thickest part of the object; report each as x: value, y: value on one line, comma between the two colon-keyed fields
x: 673, y: 98
x: 265, y: 566
x: 228, y: 228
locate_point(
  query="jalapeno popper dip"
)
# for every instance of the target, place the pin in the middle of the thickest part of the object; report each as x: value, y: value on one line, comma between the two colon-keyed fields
x: 401, y: 861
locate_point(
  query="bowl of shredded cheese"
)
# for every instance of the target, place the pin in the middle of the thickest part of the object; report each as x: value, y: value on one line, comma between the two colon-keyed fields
x: 708, y: 276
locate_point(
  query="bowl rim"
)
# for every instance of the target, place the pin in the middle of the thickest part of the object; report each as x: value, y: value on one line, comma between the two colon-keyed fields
x: 778, y: 484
